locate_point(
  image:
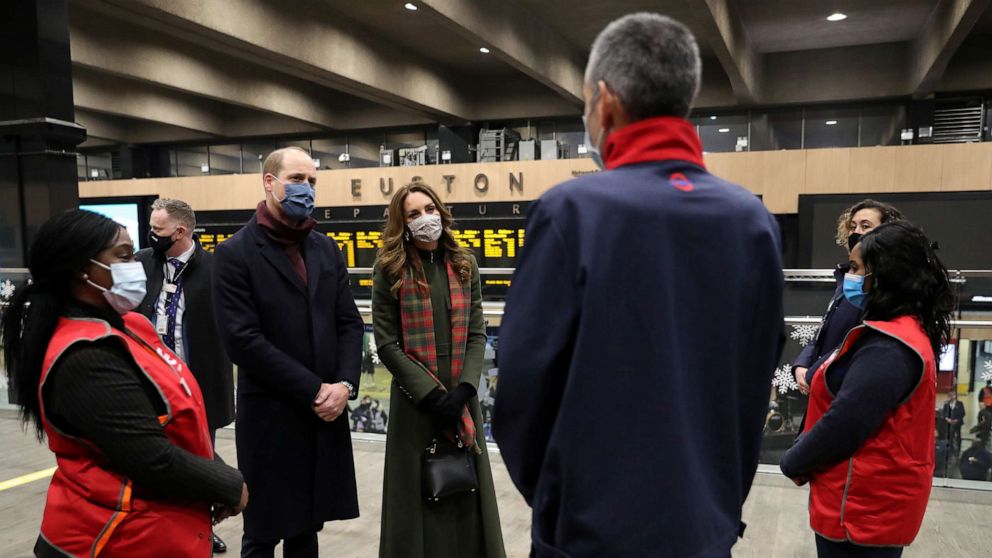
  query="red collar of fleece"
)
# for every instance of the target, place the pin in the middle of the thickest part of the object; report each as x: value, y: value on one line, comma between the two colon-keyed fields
x: 663, y: 138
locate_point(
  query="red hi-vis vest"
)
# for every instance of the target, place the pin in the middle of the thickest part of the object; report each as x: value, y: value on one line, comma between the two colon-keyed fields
x: 91, y: 509
x: 878, y: 496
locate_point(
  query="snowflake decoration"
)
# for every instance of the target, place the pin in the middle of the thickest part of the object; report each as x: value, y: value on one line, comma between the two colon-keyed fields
x: 804, y: 333
x: 987, y: 374
x: 375, y: 352
x: 6, y: 290
x: 784, y: 379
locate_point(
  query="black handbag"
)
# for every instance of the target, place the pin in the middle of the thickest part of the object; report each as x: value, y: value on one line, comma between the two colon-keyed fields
x: 447, y: 469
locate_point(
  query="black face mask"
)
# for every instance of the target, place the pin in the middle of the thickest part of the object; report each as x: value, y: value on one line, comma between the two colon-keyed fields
x: 160, y: 244
x: 853, y: 240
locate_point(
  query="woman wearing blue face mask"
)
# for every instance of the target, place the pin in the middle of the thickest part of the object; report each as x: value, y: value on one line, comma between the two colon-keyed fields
x: 840, y: 315
x: 136, y: 474
x: 867, y: 450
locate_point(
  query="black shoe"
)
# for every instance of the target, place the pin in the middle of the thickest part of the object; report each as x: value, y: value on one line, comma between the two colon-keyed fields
x: 219, y: 546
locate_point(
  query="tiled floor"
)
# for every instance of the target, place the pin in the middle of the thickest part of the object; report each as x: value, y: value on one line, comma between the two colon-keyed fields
x: 958, y: 523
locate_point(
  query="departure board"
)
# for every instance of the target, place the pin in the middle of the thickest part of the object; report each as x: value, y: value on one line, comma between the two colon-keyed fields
x: 494, y: 232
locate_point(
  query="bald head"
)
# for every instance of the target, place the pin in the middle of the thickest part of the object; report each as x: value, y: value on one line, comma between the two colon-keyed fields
x: 274, y: 162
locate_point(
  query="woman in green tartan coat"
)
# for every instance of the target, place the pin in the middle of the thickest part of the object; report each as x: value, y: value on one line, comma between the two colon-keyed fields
x: 430, y: 334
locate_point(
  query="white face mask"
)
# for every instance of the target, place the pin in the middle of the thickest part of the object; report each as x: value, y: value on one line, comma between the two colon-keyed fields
x: 128, y: 289
x: 426, y: 228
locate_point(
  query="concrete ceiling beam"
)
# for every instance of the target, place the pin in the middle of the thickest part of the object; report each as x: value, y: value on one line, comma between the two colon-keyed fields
x: 719, y: 24
x: 113, y: 95
x: 949, y: 24
x: 333, y: 52
x: 158, y: 59
x: 518, y: 38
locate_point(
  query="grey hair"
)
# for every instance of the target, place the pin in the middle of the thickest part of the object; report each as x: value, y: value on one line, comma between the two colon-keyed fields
x: 178, y: 210
x: 650, y: 61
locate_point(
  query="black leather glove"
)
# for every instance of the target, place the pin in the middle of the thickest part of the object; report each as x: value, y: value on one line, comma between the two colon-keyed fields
x: 431, y: 403
x: 458, y: 398
x: 447, y: 405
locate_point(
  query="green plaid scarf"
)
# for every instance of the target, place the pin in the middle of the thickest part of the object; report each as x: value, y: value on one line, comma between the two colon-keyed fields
x: 417, y: 321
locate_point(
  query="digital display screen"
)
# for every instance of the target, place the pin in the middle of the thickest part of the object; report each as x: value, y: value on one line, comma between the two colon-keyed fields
x: 125, y: 214
x: 495, y: 237
x: 957, y: 221
x: 948, y: 357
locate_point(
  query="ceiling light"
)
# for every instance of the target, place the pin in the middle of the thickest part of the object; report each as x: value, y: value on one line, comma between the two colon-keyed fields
x: 411, y: 7
x: 837, y: 17
x: 484, y: 50
x: 723, y: 130
x: 831, y: 122
x: 713, y: 117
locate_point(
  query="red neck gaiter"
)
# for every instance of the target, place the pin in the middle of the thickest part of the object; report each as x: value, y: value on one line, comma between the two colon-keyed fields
x: 664, y: 138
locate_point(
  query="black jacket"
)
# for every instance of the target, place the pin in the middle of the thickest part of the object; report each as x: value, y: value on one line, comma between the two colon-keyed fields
x: 202, y: 347
x: 956, y: 412
x: 287, y: 338
x: 839, y: 318
x: 979, y: 469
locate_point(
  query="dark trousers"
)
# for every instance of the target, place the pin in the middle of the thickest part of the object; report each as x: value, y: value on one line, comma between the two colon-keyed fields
x: 830, y: 549
x: 300, y: 546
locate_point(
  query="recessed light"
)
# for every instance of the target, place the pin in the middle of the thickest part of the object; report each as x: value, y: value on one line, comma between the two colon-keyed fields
x: 410, y: 6
x: 723, y: 130
x: 484, y: 50
x: 713, y: 117
x: 837, y: 17
x: 831, y: 122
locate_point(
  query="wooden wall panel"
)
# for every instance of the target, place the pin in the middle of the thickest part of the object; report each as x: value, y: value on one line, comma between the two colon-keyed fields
x: 781, y: 176
x: 827, y: 171
x: 733, y: 167
x: 778, y: 176
x: 967, y: 167
x: 872, y: 169
x: 919, y: 169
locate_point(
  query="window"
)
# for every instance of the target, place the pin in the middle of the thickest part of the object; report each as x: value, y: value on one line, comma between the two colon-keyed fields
x: 225, y: 159
x: 881, y: 125
x: 778, y: 129
x: 725, y: 133
x: 192, y: 161
x: 831, y: 127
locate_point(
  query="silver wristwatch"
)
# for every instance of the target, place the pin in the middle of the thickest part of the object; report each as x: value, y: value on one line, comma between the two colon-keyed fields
x: 351, y: 388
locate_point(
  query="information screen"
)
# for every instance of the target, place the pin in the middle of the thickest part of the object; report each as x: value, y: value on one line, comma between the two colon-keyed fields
x: 494, y: 232
x: 125, y: 214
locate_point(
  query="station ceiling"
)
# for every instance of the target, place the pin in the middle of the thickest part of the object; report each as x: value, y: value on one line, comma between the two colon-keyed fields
x: 153, y: 71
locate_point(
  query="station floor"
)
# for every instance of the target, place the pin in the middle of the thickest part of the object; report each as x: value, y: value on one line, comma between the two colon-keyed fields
x: 958, y: 523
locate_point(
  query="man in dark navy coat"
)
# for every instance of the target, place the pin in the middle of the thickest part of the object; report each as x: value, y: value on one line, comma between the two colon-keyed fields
x: 289, y: 321
x: 641, y: 291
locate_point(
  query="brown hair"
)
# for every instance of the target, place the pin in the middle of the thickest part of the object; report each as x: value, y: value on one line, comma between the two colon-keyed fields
x: 397, y: 254
x: 178, y: 210
x: 886, y: 211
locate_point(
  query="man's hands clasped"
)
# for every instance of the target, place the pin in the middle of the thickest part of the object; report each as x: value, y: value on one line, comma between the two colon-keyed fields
x: 330, y: 401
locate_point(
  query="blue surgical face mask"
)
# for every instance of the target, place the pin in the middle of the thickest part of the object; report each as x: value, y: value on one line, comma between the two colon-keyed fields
x: 854, y: 290
x: 593, y: 148
x: 298, y: 203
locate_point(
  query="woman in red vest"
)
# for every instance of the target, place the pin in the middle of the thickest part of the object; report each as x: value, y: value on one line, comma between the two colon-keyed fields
x: 867, y: 450
x: 137, y: 476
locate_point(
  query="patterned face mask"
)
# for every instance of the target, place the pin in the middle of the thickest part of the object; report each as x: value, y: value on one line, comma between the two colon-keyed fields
x: 426, y: 228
